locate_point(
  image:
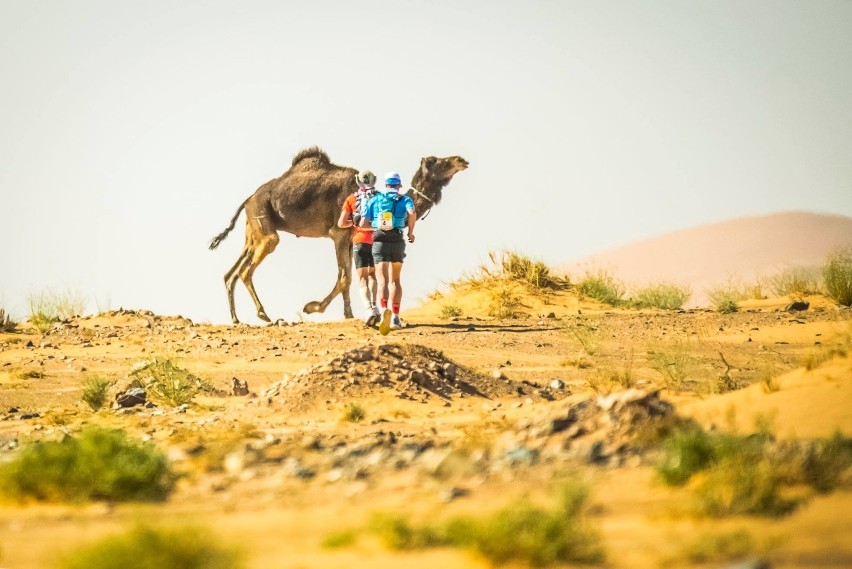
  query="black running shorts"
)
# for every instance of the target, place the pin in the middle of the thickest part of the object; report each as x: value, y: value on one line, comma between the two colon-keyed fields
x: 363, y: 255
x: 388, y: 251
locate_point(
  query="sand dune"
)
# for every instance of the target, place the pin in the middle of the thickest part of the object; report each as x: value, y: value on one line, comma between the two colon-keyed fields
x: 743, y: 249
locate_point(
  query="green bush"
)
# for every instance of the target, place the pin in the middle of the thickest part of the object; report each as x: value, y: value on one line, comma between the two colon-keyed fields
x: 156, y: 548
x: 354, y: 413
x: 98, y: 464
x: 663, y: 296
x: 48, y: 307
x: 752, y: 474
x: 602, y: 287
x: 95, y: 392
x: 837, y: 275
x: 719, y: 547
x: 796, y: 282
x: 726, y: 299
x: 685, y: 453
x: 167, y: 382
x: 521, y: 532
x: 450, y: 311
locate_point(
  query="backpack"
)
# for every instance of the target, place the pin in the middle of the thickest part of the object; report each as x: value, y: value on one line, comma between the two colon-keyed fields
x: 389, y: 211
x: 361, y: 201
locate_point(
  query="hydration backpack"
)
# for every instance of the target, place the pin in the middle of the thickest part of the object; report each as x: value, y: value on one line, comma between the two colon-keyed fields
x: 361, y: 201
x: 389, y: 211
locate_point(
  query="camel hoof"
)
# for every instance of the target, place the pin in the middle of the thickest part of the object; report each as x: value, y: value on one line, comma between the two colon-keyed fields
x: 312, y: 307
x: 262, y: 315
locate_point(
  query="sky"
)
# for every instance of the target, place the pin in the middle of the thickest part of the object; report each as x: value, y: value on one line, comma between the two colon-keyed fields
x: 131, y: 131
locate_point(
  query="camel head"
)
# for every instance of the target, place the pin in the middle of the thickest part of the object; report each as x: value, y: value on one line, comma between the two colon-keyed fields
x: 431, y: 178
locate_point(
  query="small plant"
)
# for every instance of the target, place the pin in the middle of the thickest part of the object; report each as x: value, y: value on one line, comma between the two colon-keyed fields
x: 674, y: 361
x: 504, y: 301
x: 354, y: 413
x: 48, y: 307
x: 720, y: 547
x: 752, y: 474
x: 338, y: 539
x: 514, y: 267
x: 6, y: 322
x: 166, y: 381
x: 144, y: 547
x: 95, y: 392
x: 450, y: 311
x: 663, y: 296
x: 767, y: 375
x: 796, y: 282
x: 98, y: 464
x: 837, y: 275
x: 602, y: 287
x: 520, y: 533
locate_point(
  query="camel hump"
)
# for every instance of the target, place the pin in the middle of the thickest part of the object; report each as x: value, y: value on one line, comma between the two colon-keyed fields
x: 312, y: 152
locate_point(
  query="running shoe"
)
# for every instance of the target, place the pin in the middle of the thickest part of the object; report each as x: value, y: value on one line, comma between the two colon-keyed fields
x: 371, y: 318
x: 396, y: 322
x: 385, y: 324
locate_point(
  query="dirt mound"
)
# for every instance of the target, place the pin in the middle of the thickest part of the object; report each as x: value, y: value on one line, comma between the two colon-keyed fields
x: 409, y: 371
x: 599, y: 430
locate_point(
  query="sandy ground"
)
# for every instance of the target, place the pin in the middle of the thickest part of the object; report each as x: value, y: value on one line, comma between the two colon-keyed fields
x: 303, y: 376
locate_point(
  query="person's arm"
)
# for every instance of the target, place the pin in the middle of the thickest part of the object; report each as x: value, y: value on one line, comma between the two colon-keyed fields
x: 345, y: 220
x: 412, y: 219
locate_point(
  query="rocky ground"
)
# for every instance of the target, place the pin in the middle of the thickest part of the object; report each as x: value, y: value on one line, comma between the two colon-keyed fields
x: 301, y: 430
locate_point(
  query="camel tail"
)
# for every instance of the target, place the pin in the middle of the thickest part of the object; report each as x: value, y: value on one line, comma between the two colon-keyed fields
x: 221, y: 237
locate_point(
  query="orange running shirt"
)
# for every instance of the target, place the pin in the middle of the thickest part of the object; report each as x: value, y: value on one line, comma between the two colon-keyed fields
x: 361, y: 234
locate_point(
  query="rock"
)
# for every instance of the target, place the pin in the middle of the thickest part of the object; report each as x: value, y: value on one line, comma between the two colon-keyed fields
x: 130, y: 398
x: 557, y: 384
x: 239, y: 387
x: 797, y: 306
x: 497, y: 374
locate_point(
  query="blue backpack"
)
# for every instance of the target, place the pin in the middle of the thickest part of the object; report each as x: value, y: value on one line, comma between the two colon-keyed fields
x: 389, y: 211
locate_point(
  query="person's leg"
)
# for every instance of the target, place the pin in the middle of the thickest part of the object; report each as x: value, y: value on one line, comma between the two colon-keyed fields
x: 395, y: 286
x: 371, y: 287
x: 383, y: 270
x: 364, y: 284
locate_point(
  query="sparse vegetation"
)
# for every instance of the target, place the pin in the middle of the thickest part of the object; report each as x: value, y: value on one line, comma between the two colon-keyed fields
x: 450, y: 311
x: 674, y: 360
x: 719, y: 547
x: 6, y: 322
x: 354, y: 413
x: 146, y: 547
x: 97, y: 464
x: 520, y: 533
x: 602, y: 287
x: 504, y: 301
x: 514, y: 267
x: 48, y: 307
x: 837, y: 275
x: 752, y: 474
x: 663, y: 296
x: 167, y: 382
x: 726, y: 298
x: 797, y: 282
x: 95, y: 392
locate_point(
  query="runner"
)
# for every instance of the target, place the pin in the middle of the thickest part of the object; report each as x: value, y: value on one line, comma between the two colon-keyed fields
x: 390, y: 214
x: 362, y: 242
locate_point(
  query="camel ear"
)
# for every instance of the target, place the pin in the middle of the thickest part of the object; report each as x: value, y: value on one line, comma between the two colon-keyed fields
x: 427, y: 163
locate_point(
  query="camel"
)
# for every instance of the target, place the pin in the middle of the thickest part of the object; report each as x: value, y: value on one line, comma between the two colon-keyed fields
x: 306, y: 201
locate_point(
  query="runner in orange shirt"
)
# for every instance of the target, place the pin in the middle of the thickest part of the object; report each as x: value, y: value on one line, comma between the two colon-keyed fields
x: 362, y: 242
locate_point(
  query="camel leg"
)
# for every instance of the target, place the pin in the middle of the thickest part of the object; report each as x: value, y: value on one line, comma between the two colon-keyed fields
x: 263, y: 246
x: 231, y: 279
x: 343, y: 250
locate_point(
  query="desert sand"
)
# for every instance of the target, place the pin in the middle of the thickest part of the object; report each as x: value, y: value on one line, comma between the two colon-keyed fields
x: 279, y: 470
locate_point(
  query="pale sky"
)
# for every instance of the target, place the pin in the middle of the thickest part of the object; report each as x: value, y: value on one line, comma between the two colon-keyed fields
x: 131, y: 131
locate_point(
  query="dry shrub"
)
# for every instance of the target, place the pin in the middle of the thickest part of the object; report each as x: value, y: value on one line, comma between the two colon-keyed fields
x: 837, y: 275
